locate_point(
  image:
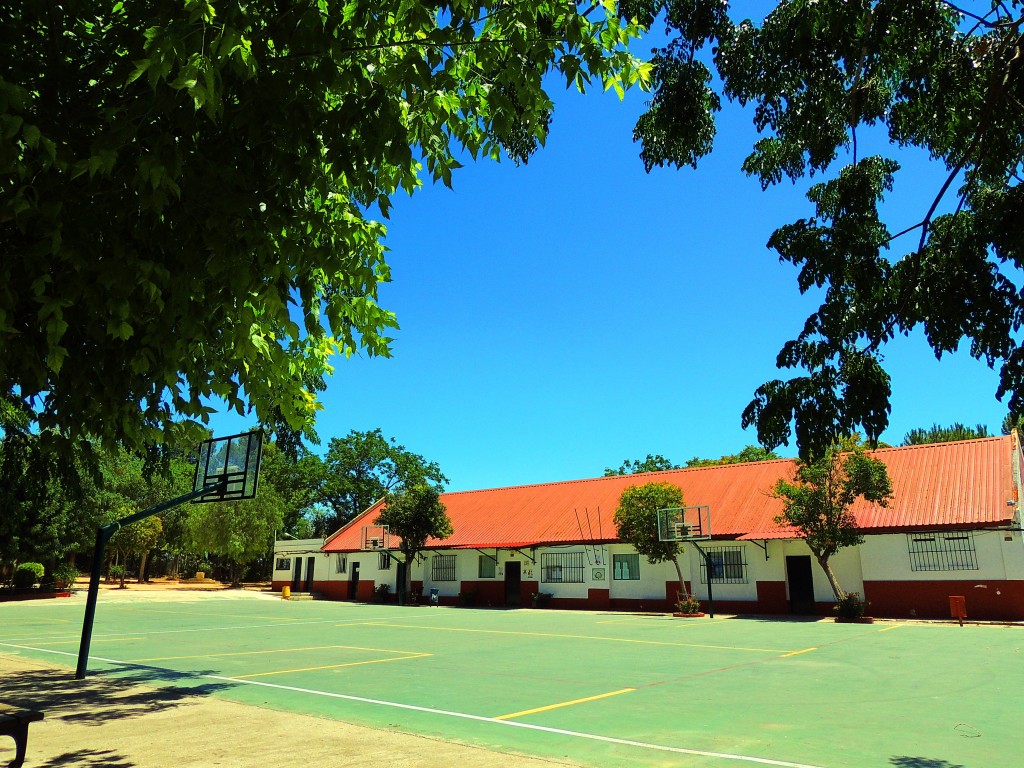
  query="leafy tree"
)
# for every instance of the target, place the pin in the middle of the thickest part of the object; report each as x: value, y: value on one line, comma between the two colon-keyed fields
x: 938, y: 434
x: 186, y: 188
x: 653, y: 463
x: 1012, y: 422
x: 298, y: 477
x: 240, y: 531
x: 415, y: 514
x: 748, y: 453
x: 136, y: 539
x: 818, y: 502
x: 926, y: 74
x: 363, y: 467
x: 636, y: 520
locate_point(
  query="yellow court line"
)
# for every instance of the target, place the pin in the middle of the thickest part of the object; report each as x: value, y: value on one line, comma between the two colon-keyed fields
x: 330, y: 666
x: 563, y: 704
x: 280, y: 650
x: 580, y: 637
x: 887, y: 629
x: 797, y: 653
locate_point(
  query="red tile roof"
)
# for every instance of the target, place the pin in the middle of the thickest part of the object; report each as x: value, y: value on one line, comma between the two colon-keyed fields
x: 947, y: 485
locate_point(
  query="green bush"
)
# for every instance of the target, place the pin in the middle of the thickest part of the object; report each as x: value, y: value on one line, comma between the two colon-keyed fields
x: 116, y: 571
x: 541, y: 599
x: 65, y: 574
x: 687, y: 603
x: 28, y: 575
x: 850, y: 607
x: 381, y: 592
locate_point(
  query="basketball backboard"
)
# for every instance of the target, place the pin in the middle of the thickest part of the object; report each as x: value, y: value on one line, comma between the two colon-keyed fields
x: 374, y: 538
x: 684, y: 523
x: 229, y: 466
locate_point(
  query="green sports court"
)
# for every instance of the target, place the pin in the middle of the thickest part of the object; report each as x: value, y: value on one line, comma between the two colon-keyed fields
x: 597, y: 689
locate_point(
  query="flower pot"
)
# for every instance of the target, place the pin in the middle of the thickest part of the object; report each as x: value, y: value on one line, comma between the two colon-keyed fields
x: 687, y: 615
x: 855, y: 620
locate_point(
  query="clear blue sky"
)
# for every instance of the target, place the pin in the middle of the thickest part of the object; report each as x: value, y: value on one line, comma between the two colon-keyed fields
x: 563, y: 316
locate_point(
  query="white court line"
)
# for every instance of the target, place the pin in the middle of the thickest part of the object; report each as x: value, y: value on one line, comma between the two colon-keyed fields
x: 462, y: 715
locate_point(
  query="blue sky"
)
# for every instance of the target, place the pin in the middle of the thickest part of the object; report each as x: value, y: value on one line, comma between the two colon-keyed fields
x: 565, y: 315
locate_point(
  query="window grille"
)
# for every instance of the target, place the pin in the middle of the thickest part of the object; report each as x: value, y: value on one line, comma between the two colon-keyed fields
x: 486, y: 568
x: 283, y: 564
x: 728, y: 565
x: 384, y: 561
x: 952, y: 551
x: 561, y: 567
x: 442, y: 568
x: 626, y: 567
x: 341, y: 563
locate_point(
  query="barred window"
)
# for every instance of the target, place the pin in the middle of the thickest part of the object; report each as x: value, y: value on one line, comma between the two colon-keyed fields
x: 486, y: 567
x: 626, y: 567
x: 952, y: 551
x: 341, y: 563
x: 442, y: 568
x: 561, y: 567
x: 283, y: 564
x: 384, y: 561
x: 728, y: 566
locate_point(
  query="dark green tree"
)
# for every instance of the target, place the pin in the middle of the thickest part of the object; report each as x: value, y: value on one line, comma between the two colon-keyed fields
x: 817, y: 503
x: 1012, y: 422
x: 186, y: 188
x: 653, y: 463
x: 415, y: 514
x: 819, y: 75
x: 748, y: 453
x: 363, y: 467
x: 636, y: 521
x: 298, y: 477
x: 939, y: 434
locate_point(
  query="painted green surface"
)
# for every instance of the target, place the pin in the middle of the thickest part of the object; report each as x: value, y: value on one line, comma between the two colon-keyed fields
x: 910, y: 695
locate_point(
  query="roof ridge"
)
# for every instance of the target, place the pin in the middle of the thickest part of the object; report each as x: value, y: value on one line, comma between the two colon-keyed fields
x: 985, y: 439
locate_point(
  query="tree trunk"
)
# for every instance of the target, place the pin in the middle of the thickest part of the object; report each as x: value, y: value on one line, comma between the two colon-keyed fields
x: 142, y: 565
x: 682, y: 582
x: 836, y: 589
x: 410, y: 558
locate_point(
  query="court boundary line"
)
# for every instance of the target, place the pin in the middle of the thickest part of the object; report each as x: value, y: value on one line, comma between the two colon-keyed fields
x: 461, y: 715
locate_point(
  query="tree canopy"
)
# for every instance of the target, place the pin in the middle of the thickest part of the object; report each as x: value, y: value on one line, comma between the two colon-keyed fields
x: 819, y: 75
x: 415, y: 514
x: 818, y: 502
x: 186, y: 189
x: 748, y: 453
x: 653, y: 463
x: 940, y: 434
x: 363, y: 467
x: 636, y: 522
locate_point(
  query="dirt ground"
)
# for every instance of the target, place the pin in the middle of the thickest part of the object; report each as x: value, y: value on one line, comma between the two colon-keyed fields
x: 118, y: 724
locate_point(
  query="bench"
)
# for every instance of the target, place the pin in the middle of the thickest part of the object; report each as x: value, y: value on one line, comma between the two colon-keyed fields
x: 14, y: 723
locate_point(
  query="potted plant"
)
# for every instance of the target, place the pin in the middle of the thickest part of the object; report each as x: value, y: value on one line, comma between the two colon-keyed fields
x: 687, y: 606
x: 850, y: 610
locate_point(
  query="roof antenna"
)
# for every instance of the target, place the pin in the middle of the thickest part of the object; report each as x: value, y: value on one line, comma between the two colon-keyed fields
x: 582, y: 536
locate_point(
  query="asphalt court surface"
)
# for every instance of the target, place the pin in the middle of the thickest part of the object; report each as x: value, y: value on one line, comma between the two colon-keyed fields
x: 598, y: 689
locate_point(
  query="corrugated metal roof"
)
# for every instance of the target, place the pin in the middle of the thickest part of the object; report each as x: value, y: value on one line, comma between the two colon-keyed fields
x: 961, y: 484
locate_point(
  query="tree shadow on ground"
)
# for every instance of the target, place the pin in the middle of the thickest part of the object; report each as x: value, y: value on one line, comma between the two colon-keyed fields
x: 102, y: 696
x: 88, y: 758
x: 922, y: 762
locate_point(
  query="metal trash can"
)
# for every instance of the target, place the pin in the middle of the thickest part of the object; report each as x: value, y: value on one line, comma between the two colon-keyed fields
x: 286, y: 592
x: 434, y: 596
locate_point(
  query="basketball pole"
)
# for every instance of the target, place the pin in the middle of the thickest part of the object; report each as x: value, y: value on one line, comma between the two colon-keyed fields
x: 103, y: 534
x: 711, y: 576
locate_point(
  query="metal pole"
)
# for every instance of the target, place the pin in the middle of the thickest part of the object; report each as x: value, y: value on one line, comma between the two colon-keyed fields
x: 711, y: 575
x: 103, y: 535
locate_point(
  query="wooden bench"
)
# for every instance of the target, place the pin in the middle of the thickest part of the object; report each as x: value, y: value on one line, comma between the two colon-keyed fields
x: 14, y: 723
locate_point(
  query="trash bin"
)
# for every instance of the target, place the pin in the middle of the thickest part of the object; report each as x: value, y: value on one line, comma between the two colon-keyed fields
x: 958, y: 607
x: 286, y: 592
x: 434, y: 596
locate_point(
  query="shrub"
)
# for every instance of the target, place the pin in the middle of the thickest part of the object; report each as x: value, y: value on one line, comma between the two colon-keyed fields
x: 381, y: 592
x: 116, y: 571
x: 27, y: 575
x: 687, y: 603
x: 467, y: 599
x: 541, y: 599
x: 65, y: 574
x: 850, y: 607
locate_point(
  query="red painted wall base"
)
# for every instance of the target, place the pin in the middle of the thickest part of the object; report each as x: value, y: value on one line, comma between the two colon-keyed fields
x: 986, y: 600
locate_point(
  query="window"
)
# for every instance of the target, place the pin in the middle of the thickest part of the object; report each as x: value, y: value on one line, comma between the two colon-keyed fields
x: 561, y: 567
x: 442, y: 568
x: 341, y: 563
x: 283, y: 564
x: 626, y: 567
x: 384, y: 561
x: 952, y: 551
x: 486, y: 570
x: 728, y: 566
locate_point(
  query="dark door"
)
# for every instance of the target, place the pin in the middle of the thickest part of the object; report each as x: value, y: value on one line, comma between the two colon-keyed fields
x: 513, y: 578
x: 297, y: 575
x: 400, y: 583
x: 801, y: 584
x: 353, y: 581
x: 310, y: 566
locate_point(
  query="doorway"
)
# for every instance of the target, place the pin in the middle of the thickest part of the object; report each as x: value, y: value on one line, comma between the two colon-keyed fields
x: 801, y: 584
x: 297, y: 575
x: 513, y: 578
x: 310, y: 567
x: 353, y: 581
x: 400, y: 582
